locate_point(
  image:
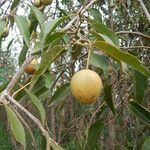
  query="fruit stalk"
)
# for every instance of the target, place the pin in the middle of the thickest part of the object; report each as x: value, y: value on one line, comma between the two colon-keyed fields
x: 88, y: 58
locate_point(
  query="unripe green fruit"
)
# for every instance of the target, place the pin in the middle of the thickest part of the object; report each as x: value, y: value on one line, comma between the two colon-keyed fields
x: 86, y: 86
x: 46, y: 2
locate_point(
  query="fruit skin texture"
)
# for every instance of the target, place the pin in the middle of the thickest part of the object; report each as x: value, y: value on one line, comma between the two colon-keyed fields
x: 5, y: 32
x: 37, y: 3
x: 86, y: 86
x: 46, y: 2
x: 30, y: 69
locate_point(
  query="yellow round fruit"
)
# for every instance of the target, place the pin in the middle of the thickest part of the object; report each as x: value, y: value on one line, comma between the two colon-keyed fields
x: 46, y: 2
x: 86, y: 86
x: 30, y: 69
x: 5, y: 32
x: 37, y: 3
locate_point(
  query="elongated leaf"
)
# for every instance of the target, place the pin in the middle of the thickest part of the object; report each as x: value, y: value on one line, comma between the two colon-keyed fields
x: 108, y: 97
x: 141, y: 112
x: 146, y: 145
x: 39, y: 84
x: 125, y: 57
x: 76, y: 51
x: 54, y: 145
x: 46, y: 30
x: 14, y: 4
x: 3, y: 86
x: 50, y: 26
x: 43, y: 93
x: 37, y: 14
x: 61, y: 93
x: 103, y: 29
x: 100, y: 62
x: 9, y: 45
x: 96, y: 14
x: 22, y: 55
x: 141, y: 84
x: 93, y: 134
x: 48, y: 79
x: 2, y: 26
x: 43, y: 84
x: 37, y: 103
x: 47, y: 59
x: 38, y: 47
x: 52, y: 37
x: 16, y: 126
x: 102, y: 37
x: 23, y: 26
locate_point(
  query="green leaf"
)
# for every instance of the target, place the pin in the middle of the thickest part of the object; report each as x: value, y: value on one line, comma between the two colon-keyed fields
x: 37, y: 14
x: 50, y: 26
x: 146, y: 145
x: 47, y: 59
x: 16, y: 126
x: 141, y: 84
x: 108, y: 97
x: 9, y: 45
x: 76, y: 51
x: 63, y: 12
x: 14, y: 4
x: 104, y: 30
x: 43, y: 93
x: 61, y: 93
x: 23, y: 26
x: 46, y: 30
x: 125, y: 57
x: 37, y: 103
x: 39, y: 84
x: 93, y: 134
x: 3, y: 79
x: 48, y: 79
x: 3, y: 86
x: 55, y: 146
x: 100, y: 62
x: 52, y: 37
x: 96, y: 14
x: 141, y: 112
x: 38, y: 47
x: 2, y: 26
x: 22, y: 55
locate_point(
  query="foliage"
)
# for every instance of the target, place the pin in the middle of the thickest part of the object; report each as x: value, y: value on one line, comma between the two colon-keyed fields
x: 109, y: 37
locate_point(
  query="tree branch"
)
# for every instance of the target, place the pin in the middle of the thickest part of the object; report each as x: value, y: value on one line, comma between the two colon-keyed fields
x: 145, y: 10
x: 50, y: 141
x: 136, y: 33
x: 135, y: 47
x: 18, y: 74
x: 80, y: 11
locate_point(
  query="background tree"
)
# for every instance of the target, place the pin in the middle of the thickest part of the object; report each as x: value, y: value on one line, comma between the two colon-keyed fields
x: 56, y: 39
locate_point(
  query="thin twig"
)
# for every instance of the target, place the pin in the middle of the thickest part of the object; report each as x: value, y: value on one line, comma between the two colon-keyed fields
x: 145, y: 10
x: 88, y: 59
x: 18, y: 74
x: 136, y: 47
x: 136, y: 33
x: 21, y: 89
x: 80, y: 11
